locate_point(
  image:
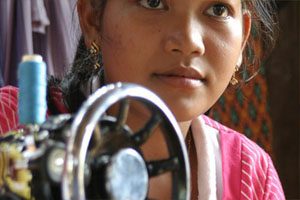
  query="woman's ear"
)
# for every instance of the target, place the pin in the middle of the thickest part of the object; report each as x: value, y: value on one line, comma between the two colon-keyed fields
x: 88, y: 22
x: 246, y: 34
x: 240, y: 60
x: 246, y: 27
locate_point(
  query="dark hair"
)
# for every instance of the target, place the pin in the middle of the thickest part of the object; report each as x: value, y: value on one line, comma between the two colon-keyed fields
x: 83, y: 70
x: 264, y: 33
x: 263, y: 36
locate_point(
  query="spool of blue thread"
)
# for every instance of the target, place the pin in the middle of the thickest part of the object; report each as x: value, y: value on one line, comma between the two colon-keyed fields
x: 32, y: 76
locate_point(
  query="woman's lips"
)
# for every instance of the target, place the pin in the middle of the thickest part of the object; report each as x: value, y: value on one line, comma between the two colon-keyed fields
x: 182, y: 77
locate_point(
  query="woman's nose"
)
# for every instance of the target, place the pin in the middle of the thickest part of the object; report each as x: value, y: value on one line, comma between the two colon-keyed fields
x: 185, y: 37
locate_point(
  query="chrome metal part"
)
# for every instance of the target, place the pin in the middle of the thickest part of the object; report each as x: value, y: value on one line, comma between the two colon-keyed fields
x: 87, y: 121
x: 127, y: 176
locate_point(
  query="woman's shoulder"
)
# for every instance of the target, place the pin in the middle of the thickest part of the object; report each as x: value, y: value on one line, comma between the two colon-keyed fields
x: 9, y: 91
x: 230, y: 134
x: 8, y: 108
x: 258, y: 178
x: 9, y: 97
x: 244, y: 145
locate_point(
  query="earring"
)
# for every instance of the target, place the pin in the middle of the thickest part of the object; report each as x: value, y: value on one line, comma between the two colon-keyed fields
x: 94, y: 51
x: 234, y: 80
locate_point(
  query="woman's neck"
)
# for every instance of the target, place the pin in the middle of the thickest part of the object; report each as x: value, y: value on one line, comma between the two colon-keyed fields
x: 184, y: 126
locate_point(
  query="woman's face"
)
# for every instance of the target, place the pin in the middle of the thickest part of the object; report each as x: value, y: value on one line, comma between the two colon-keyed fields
x: 183, y: 50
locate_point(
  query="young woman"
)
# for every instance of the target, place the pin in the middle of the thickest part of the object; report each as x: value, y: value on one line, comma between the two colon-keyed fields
x: 187, y: 52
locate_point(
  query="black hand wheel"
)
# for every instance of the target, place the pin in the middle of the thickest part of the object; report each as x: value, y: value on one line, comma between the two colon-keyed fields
x: 100, y: 141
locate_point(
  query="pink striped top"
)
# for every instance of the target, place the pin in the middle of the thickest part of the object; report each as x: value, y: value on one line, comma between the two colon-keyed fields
x: 8, y: 109
x: 247, y: 170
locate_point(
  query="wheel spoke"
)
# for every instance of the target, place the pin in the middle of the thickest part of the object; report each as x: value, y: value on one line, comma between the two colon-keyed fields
x: 143, y: 134
x: 123, y: 113
x: 158, y: 167
x: 97, y: 140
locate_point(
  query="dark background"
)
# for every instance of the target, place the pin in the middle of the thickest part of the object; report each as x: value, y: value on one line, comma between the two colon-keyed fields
x: 282, y: 71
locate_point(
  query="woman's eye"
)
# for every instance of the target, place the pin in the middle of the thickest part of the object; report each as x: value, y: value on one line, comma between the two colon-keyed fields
x: 152, y: 4
x: 218, y: 10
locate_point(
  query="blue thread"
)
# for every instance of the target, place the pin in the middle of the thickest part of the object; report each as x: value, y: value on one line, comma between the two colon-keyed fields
x: 32, y: 90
